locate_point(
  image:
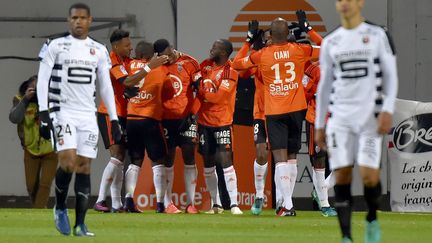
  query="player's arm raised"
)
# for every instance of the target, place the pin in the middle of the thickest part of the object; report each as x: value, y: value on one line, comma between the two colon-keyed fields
x: 252, y: 34
x: 247, y: 62
x: 387, y: 57
x: 154, y: 62
x: 306, y: 27
x: 323, y: 96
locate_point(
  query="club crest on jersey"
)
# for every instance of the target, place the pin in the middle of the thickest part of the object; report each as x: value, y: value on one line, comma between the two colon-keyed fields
x: 92, y: 51
x: 179, y: 67
x: 365, y: 39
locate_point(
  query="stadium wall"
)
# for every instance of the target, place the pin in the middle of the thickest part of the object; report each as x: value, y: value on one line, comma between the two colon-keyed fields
x: 407, y: 20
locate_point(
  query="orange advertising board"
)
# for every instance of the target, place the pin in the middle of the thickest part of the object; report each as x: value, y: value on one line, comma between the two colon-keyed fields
x: 244, y: 156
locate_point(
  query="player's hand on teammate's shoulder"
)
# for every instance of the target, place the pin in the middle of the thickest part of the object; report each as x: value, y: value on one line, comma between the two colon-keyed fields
x: 384, y: 122
x: 157, y: 61
x: 320, y: 138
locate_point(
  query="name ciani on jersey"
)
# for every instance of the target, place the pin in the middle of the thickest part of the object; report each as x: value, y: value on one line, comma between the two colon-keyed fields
x: 75, y: 64
x: 355, y: 60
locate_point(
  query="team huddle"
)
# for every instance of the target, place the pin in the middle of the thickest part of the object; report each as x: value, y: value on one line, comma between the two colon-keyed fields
x: 163, y: 99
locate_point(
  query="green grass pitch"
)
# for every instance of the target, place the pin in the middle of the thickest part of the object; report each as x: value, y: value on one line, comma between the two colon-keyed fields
x: 31, y: 225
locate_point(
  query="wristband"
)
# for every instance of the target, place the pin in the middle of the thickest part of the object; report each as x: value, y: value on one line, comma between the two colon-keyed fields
x: 147, y: 68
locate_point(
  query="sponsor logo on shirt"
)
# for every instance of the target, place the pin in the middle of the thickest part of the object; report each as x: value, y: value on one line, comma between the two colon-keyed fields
x: 177, y: 84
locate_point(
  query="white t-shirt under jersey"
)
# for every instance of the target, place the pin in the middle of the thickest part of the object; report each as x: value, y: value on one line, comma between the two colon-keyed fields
x: 358, y: 75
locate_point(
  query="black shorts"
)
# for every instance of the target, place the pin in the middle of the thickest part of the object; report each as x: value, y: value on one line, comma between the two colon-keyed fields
x: 284, y: 131
x: 260, y: 131
x: 313, y: 150
x: 104, y: 124
x: 176, y: 138
x: 145, y: 135
x: 212, y: 139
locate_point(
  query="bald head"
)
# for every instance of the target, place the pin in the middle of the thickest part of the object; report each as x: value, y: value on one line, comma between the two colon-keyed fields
x: 279, y: 30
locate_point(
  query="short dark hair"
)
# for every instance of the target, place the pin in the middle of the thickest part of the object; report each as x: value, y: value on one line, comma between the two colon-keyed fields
x: 145, y: 49
x: 160, y: 45
x: 79, y: 6
x: 228, y: 47
x: 118, y: 34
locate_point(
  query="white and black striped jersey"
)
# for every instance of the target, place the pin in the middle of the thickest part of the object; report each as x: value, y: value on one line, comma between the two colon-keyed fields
x: 358, y: 74
x: 67, y: 75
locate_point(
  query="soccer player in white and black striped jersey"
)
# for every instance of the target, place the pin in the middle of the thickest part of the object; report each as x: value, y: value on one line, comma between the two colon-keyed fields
x: 358, y: 87
x: 66, y: 89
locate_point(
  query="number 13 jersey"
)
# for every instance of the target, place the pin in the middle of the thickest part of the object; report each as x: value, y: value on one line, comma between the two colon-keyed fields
x: 74, y: 63
x: 356, y: 65
x: 282, y: 69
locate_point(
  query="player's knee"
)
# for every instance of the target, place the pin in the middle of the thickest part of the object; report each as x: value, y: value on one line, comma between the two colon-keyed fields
x: 117, y: 152
x: 137, y: 161
x: 68, y: 166
x: 370, y: 180
x: 168, y: 161
x: 344, y: 176
x: 226, y: 163
x: 209, y: 163
x: 261, y: 157
x: 318, y: 163
x: 83, y: 168
x: 292, y: 155
x: 189, y: 161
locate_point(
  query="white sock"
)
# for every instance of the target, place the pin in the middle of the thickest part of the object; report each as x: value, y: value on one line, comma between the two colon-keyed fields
x: 279, y: 197
x: 106, y: 180
x: 330, y: 180
x: 212, y: 183
x: 160, y: 182
x: 169, y: 184
x: 231, y: 184
x: 190, y: 180
x: 283, y: 181
x: 320, y: 186
x: 131, y: 178
x: 116, y: 185
x: 292, y: 167
x: 260, y: 172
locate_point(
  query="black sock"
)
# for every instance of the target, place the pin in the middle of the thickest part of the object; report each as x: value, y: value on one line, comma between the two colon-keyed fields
x: 82, y: 194
x: 372, y: 197
x: 343, y: 206
x: 62, y: 180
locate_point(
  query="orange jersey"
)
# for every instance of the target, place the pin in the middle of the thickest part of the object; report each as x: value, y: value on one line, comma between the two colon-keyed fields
x: 282, y: 68
x: 217, y: 95
x: 258, y: 110
x: 118, y: 72
x: 243, y: 52
x: 182, y: 73
x: 311, y: 79
x: 153, y: 90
